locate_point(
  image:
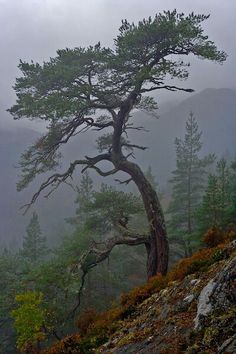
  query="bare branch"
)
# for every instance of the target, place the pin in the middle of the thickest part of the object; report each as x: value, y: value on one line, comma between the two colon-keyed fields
x: 90, y: 121
x: 131, y: 154
x: 94, y: 256
x: 56, y: 179
x: 135, y: 146
x: 167, y: 87
x: 131, y: 127
x: 127, y: 181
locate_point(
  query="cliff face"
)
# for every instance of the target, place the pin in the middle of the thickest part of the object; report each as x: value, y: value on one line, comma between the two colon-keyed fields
x: 195, y: 315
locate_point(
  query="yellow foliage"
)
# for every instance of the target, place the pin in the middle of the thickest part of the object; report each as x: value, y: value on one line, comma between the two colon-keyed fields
x: 29, y: 320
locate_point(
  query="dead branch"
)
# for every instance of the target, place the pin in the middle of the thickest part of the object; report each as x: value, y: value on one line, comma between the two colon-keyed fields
x: 135, y: 146
x: 167, y: 87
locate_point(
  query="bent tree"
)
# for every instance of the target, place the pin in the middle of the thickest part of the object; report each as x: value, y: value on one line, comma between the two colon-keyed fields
x: 98, y: 88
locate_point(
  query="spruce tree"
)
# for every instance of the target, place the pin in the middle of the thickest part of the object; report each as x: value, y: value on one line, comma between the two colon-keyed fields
x: 188, y: 183
x: 216, y: 201
x: 34, y: 244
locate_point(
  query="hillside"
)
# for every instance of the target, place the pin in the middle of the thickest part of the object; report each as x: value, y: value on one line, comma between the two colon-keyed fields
x: 191, y: 310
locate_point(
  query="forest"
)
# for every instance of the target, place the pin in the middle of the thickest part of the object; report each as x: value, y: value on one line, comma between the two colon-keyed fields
x: 127, y: 234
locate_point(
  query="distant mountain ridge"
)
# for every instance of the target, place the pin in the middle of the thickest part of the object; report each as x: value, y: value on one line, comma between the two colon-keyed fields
x: 215, y: 110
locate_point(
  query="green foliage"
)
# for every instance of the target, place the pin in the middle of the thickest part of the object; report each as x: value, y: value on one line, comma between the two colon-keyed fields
x: 231, y: 208
x: 217, y: 199
x: 18, y: 275
x: 106, y: 212
x: 78, y: 90
x: 110, y: 208
x: 10, y: 285
x: 84, y: 196
x: 188, y: 183
x: 29, y: 320
x: 166, y: 30
x: 82, y: 86
x: 34, y: 244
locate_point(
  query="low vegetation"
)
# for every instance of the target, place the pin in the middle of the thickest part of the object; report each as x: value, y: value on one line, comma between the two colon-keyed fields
x: 95, y: 328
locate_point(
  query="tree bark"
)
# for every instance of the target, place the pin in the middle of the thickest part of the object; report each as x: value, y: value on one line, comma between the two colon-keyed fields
x: 157, y: 248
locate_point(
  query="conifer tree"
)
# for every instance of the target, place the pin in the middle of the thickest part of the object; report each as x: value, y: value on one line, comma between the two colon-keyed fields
x: 34, y: 244
x: 216, y: 201
x: 188, y: 183
x: 99, y: 88
x: 84, y: 196
x: 231, y: 208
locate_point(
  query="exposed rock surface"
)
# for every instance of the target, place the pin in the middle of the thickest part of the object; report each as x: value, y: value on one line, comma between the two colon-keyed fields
x: 196, y: 315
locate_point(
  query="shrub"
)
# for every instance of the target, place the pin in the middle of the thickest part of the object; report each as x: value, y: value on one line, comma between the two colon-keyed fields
x: 29, y: 319
x: 214, y: 237
x: 138, y: 295
x: 230, y: 233
x: 86, y: 320
x: 199, y: 261
x: 68, y: 345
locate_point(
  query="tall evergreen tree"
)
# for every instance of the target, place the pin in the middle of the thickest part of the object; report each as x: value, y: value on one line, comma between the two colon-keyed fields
x: 188, y: 183
x: 34, y: 244
x: 216, y: 201
x: 231, y: 209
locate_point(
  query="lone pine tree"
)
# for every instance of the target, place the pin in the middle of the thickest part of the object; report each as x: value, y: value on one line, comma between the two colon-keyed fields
x: 98, y: 88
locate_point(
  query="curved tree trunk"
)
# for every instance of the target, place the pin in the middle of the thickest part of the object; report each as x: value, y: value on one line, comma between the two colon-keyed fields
x: 158, y: 248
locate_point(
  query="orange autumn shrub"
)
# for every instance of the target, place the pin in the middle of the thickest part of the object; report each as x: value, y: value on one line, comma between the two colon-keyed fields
x: 230, y: 233
x: 105, y: 323
x: 92, y: 324
x: 139, y: 294
x: 213, y: 237
x: 86, y: 320
x: 198, y: 261
x: 68, y: 345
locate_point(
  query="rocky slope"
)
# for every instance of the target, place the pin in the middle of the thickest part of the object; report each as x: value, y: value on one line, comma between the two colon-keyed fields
x: 192, y: 310
x: 195, y: 315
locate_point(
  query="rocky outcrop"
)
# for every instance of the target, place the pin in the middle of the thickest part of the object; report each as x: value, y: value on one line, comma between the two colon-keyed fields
x: 197, y: 314
x: 218, y: 294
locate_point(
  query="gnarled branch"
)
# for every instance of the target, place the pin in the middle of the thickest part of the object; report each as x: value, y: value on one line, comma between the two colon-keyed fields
x: 57, y: 178
x: 92, y: 257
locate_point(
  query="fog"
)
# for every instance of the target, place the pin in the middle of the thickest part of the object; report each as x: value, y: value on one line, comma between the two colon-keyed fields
x: 67, y: 259
x: 35, y: 29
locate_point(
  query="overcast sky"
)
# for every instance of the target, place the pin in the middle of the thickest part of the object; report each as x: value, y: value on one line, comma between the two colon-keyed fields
x: 35, y: 29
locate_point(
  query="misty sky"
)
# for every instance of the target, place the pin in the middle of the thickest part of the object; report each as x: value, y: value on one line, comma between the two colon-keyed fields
x: 35, y: 29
